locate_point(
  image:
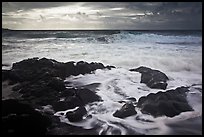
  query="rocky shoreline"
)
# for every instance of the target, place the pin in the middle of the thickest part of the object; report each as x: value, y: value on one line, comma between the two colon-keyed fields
x: 41, y: 91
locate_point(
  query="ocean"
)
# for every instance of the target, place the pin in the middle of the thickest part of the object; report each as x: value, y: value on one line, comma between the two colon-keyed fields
x: 176, y: 53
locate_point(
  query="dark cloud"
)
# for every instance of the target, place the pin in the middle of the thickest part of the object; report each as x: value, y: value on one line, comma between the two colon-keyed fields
x: 127, y: 15
x: 12, y: 6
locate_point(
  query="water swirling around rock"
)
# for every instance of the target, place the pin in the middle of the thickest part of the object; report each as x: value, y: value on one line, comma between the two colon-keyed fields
x: 97, y: 99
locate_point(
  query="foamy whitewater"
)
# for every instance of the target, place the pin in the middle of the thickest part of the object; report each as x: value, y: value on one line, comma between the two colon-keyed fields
x: 176, y: 53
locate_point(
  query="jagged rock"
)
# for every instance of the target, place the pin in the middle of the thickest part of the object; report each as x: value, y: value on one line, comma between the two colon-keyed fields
x: 169, y: 103
x: 21, y: 119
x: 75, y: 97
x: 56, y: 83
x: 127, y: 110
x: 152, y: 78
x: 44, y: 80
x: 69, y: 103
x: 35, y: 68
x: 110, y: 67
x: 41, y: 83
x: 87, y: 96
x: 60, y: 128
x: 76, y: 115
x: 5, y: 74
x: 84, y: 67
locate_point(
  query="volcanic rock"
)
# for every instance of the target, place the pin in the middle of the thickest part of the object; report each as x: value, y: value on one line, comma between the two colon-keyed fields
x: 127, y: 110
x: 76, y: 115
x: 152, y: 78
x: 21, y: 119
x: 169, y: 103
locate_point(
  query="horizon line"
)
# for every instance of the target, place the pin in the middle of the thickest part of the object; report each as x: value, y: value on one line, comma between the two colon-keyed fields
x: 102, y: 29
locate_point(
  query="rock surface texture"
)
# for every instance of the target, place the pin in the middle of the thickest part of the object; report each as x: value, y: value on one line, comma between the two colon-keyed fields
x: 169, y: 103
x: 152, y: 78
x: 41, y: 83
x: 126, y: 110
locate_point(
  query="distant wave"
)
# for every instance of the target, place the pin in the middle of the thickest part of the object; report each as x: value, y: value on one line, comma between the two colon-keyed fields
x: 173, y: 52
x: 105, y: 37
x: 180, y: 43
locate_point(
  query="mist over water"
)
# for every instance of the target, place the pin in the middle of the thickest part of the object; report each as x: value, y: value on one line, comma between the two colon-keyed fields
x: 176, y: 53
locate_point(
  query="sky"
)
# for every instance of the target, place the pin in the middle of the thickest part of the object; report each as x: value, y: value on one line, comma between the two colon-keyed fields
x: 101, y: 15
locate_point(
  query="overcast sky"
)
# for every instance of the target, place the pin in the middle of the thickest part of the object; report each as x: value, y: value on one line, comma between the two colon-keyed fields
x: 102, y: 15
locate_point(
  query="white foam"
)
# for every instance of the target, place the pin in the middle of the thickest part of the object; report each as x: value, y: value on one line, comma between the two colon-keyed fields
x: 86, y: 123
x: 118, y: 84
x: 179, y: 57
x: 127, y: 50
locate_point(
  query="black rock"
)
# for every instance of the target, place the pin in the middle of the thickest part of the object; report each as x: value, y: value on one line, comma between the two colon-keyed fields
x: 95, y: 65
x: 41, y: 83
x: 74, y: 97
x: 127, y: 110
x: 110, y: 67
x: 5, y: 65
x: 152, y: 78
x: 76, y: 115
x: 5, y: 74
x: 69, y: 69
x: 69, y: 103
x: 68, y: 92
x: 60, y: 128
x: 57, y: 83
x: 21, y: 119
x: 35, y: 68
x: 169, y: 103
x: 87, y: 96
x: 44, y: 80
x: 83, y: 67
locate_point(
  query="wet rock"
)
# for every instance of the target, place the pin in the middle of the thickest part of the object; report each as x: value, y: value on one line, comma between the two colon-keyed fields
x: 41, y: 83
x: 84, y: 67
x: 44, y: 80
x: 56, y: 83
x: 76, y: 115
x: 95, y: 65
x: 5, y: 65
x: 60, y: 128
x: 110, y: 67
x: 68, y: 92
x: 5, y: 75
x: 21, y: 119
x: 34, y: 68
x: 68, y: 103
x: 127, y: 110
x: 87, y: 96
x: 152, y: 78
x: 169, y: 103
x: 69, y: 69
x: 74, y: 97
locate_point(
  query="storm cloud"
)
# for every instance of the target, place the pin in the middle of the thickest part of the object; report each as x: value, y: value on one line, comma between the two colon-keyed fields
x: 102, y: 15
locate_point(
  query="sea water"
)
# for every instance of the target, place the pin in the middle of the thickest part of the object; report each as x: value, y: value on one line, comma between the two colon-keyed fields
x: 176, y: 53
